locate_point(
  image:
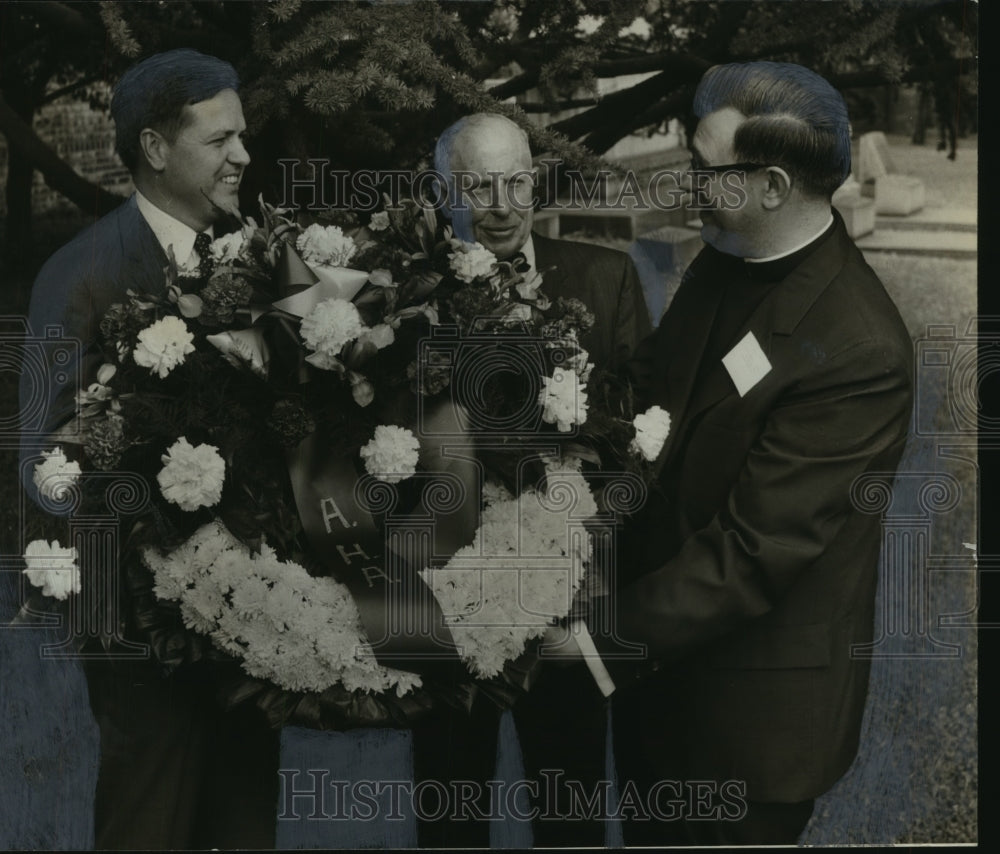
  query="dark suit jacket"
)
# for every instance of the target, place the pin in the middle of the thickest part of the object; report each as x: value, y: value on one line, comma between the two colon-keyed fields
x: 605, y: 280
x: 757, y: 572
x: 75, y: 288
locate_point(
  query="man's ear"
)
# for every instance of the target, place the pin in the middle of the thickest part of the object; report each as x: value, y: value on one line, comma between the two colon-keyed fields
x: 779, y: 188
x: 440, y: 192
x: 155, y: 148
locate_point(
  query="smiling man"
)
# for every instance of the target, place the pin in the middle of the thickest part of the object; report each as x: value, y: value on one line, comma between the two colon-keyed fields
x: 562, y: 721
x: 486, y: 161
x: 175, y: 771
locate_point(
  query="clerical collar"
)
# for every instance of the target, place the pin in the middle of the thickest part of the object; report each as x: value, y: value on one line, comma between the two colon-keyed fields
x: 778, y: 266
x: 170, y: 231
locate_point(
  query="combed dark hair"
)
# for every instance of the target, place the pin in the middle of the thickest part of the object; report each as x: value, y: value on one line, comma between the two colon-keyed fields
x: 795, y: 120
x: 154, y: 92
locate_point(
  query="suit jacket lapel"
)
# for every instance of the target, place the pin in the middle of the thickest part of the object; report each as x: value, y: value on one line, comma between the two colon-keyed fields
x: 778, y: 314
x: 683, y: 337
x: 143, y: 257
x: 547, y: 255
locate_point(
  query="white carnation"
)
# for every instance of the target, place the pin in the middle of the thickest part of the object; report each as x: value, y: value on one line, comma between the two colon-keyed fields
x: 379, y: 221
x: 55, y: 474
x: 326, y: 245
x: 563, y: 400
x: 471, y: 261
x: 651, y: 430
x: 52, y: 568
x: 163, y: 345
x: 228, y: 248
x: 392, y: 454
x: 329, y: 326
x: 192, y: 477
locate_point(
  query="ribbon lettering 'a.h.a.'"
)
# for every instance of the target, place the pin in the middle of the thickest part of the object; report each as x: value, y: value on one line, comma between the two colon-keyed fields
x: 401, y: 618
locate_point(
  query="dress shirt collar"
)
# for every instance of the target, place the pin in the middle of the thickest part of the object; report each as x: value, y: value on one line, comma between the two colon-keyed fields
x: 529, y: 251
x: 170, y: 231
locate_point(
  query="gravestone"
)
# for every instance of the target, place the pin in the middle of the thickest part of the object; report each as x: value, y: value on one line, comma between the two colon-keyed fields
x: 874, y: 158
x: 898, y: 195
x: 857, y: 211
x: 876, y: 171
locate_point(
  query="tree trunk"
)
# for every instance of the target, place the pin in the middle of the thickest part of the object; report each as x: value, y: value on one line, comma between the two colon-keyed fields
x: 18, y: 233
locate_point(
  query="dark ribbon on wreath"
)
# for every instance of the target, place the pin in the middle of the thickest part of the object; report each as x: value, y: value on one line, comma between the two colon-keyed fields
x: 399, y: 614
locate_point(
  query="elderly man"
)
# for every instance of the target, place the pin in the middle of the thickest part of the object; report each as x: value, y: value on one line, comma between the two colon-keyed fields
x: 486, y: 159
x: 562, y: 721
x: 787, y: 371
x: 174, y: 771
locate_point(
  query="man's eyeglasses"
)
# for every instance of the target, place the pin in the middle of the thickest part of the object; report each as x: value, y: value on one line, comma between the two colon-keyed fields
x: 698, y: 166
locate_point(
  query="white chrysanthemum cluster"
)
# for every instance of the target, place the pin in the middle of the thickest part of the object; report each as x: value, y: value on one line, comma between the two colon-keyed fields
x: 192, y: 476
x: 651, y: 430
x: 300, y: 632
x: 471, y: 260
x: 163, y: 345
x: 563, y: 400
x: 392, y: 454
x: 229, y: 247
x: 55, y: 474
x: 326, y: 245
x: 520, y: 573
x: 52, y: 568
x: 327, y: 328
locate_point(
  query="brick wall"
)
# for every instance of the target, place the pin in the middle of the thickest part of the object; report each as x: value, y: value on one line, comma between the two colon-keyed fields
x: 85, y: 139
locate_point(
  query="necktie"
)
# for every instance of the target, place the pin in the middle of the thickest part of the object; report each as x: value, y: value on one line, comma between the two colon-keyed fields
x: 519, y: 262
x: 202, y: 242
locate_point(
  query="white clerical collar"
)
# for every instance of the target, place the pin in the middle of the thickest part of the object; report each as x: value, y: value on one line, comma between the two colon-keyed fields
x: 170, y: 231
x: 795, y: 248
x: 529, y: 250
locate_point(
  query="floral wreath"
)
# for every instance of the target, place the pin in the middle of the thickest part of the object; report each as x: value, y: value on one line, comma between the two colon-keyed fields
x: 208, y: 390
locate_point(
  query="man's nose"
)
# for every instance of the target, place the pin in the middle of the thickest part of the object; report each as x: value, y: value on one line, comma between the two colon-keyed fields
x: 499, y: 201
x: 238, y: 153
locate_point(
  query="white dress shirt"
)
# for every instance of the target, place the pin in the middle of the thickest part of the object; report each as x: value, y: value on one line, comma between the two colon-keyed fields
x: 529, y: 251
x: 171, y: 232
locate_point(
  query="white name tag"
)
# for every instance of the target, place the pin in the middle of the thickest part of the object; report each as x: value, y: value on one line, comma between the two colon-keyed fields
x: 746, y: 363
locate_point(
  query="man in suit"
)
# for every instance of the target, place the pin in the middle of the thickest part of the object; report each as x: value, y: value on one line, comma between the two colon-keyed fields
x: 787, y: 371
x: 175, y: 772
x: 490, y: 200
x: 562, y: 720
